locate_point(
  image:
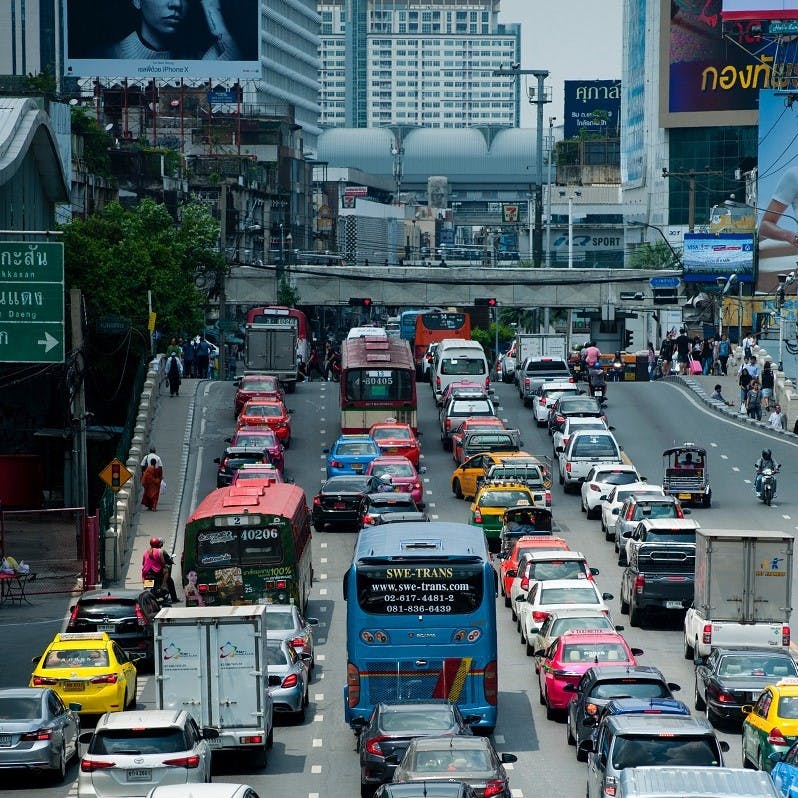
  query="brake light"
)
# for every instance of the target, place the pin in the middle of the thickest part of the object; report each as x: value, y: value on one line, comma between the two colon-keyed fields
x: 679, y: 513
x: 316, y: 501
x: 336, y: 464
x: 494, y: 787
x: 706, y: 637
x: 38, y: 681
x: 526, y: 382
x: 539, y: 616
x: 629, y: 513
x: 438, y: 382
x: 785, y: 636
x: 564, y: 442
x: 36, y: 736
x: 776, y: 738
x: 491, y: 681
x: 373, y: 745
x: 487, y: 383
x: 525, y: 583
x: 610, y: 786
x: 542, y: 401
x: 368, y: 519
x: 183, y: 762
x: 725, y: 698
x: 225, y: 464
x: 297, y: 642
x: 477, y: 516
x: 591, y: 709
x: 548, y: 498
x: 568, y: 467
x: 73, y: 618
x: 106, y: 678
x: 141, y: 618
x: 90, y: 765
x: 640, y: 583
x: 290, y: 681
x: 448, y: 425
x: 353, y: 685
x: 594, y: 487
x: 570, y: 379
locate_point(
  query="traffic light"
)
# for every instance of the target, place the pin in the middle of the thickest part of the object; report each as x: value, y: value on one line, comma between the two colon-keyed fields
x: 116, y: 475
x: 486, y: 301
x: 628, y: 337
x: 360, y: 301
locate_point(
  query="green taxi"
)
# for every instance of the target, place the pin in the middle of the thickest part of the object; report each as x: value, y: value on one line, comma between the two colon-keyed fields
x: 771, y: 724
x: 490, y: 502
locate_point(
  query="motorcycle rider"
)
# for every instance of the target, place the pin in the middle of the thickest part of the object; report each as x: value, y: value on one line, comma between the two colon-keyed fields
x: 156, y: 564
x: 597, y: 379
x: 386, y: 484
x: 765, y: 461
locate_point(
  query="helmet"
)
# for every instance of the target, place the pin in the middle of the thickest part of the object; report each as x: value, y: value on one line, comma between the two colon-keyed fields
x: 766, y: 454
x: 386, y: 479
x: 156, y: 543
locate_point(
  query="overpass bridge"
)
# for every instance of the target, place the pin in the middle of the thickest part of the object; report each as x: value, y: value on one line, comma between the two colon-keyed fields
x: 414, y: 286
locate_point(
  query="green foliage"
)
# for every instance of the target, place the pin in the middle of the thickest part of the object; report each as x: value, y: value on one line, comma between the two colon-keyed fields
x: 287, y: 294
x: 116, y: 256
x: 43, y: 83
x: 487, y: 338
x: 95, y: 142
x: 654, y: 256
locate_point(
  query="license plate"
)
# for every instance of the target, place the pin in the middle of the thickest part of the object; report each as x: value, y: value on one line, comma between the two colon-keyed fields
x: 139, y: 774
x: 391, y: 449
x: 5, y: 740
x: 106, y: 627
x: 339, y: 506
x: 357, y: 466
x: 685, y: 496
x: 74, y: 687
x: 674, y: 605
x: 214, y: 742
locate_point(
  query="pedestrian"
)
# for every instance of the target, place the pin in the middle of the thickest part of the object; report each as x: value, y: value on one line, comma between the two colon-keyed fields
x: 203, y: 358
x: 173, y: 348
x: 682, y: 350
x: 707, y: 348
x: 151, y: 455
x: 329, y: 356
x: 719, y: 397
x: 724, y: 350
x: 174, y: 373
x: 777, y: 419
x: 313, y: 365
x: 666, y: 353
x: 652, y: 361
x: 744, y: 380
x: 151, y: 483
x: 156, y: 564
x: 753, y: 401
x: 767, y: 380
x: 188, y: 358
x: 748, y: 345
x: 753, y: 367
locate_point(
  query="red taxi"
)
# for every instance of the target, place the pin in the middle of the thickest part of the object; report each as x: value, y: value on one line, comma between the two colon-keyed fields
x: 260, y: 438
x: 394, y: 438
x: 260, y: 413
x: 257, y: 386
x: 404, y: 477
x: 471, y: 424
x: 508, y: 564
x: 567, y: 658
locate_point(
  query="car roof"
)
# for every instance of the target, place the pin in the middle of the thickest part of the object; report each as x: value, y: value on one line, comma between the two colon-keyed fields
x: 658, y: 724
x: 652, y: 498
x: 70, y: 640
x: 141, y: 718
x: 595, y: 635
x: 22, y: 692
x: 670, y: 523
x: 354, y: 439
x: 637, y: 486
x: 413, y: 705
x: 625, y: 468
x: 273, y: 609
x: 109, y: 594
x: 628, y: 706
x: 609, y: 673
x: 390, y: 498
x: 218, y: 789
x: 743, y: 650
x: 555, y: 385
x: 551, y: 583
x: 395, y: 459
x: 577, y: 612
x: 551, y: 554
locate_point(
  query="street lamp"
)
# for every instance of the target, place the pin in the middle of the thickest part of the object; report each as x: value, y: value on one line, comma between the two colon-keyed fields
x: 571, y: 226
x: 785, y: 280
x: 548, y: 209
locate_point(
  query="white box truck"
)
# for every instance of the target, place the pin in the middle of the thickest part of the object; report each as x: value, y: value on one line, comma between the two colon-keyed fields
x: 532, y: 345
x: 743, y: 591
x: 211, y: 661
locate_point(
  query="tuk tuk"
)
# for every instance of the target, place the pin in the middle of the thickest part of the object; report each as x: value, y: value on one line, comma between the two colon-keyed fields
x: 520, y: 521
x: 686, y: 474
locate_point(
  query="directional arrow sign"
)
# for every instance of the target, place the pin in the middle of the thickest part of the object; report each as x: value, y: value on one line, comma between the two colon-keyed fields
x: 31, y: 302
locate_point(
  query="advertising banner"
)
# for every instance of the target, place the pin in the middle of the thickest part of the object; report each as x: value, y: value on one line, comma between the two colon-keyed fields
x: 149, y: 39
x: 760, y: 9
x: 707, y: 256
x: 592, y: 106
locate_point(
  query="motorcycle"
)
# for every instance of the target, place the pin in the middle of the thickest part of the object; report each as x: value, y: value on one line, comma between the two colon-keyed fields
x: 767, y: 488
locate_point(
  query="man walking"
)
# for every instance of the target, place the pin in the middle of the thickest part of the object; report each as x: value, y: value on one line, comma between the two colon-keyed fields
x: 682, y: 350
x: 188, y: 358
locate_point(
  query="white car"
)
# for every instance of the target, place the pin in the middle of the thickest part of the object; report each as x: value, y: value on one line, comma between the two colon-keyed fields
x: 507, y: 366
x: 546, y: 394
x: 611, y: 506
x: 540, y: 565
x: 546, y: 597
x: 585, y: 450
x: 218, y: 789
x: 572, y: 424
x: 601, y: 479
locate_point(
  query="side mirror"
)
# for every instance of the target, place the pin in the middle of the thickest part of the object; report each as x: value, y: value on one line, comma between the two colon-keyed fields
x: 419, y: 434
x: 35, y: 660
x: 615, y: 511
x: 520, y: 443
x: 275, y: 681
x: 540, y: 653
x: 607, y: 596
x: 627, y: 533
x: 326, y: 450
x: 237, y: 382
x: 699, y: 660
x: 588, y: 722
x: 603, y: 497
x: 290, y: 412
x: 570, y: 688
x: 209, y: 733
x: 594, y: 571
x: 587, y: 746
x: 611, y: 428
x: 75, y: 707
x: 724, y: 746
x: 638, y: 652
x: 673, y: 687
x: 393, y: 759
x: 228, y: 440
x: 306, y: 656
x: 506, y: 758
x: 312, y: 621
x: 747, y: 709
x: 559, y: 449
x: 469, y: 720
x: 619, y: 628
x: 358, y: 724
x: 512, y: 573
x: 85, y: 737
x: 217, y: 460
x: 776, y: 756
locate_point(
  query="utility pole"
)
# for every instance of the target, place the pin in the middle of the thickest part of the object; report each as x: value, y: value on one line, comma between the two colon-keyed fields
x: 222, y: 280
x: 689, y: 176
x: 80, y: 496
x: 537, y: 97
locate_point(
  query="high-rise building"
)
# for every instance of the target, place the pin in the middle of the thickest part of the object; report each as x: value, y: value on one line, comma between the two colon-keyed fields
x: 406, y: 62
x: 30, y: 37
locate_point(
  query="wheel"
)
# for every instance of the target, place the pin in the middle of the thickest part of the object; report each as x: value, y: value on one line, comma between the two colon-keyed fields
x: 540, y: 695
x: 529, y: 649
x: 707, y: 500
x: 259, y: 757
x: 624, y: 605
x: 634, y: 613
x: 768, y: 498
x: 569, y: 737
x: 581, y: 756
x: 507, y: 601
x: 319, y: 527
x: 594, y: 512
x: 514, y: 616
x: 59, y: 774
x: 131, y: 703
x: 583, y: 507
x: 270, y: 738
x: 551, y: 714
x: 699, y: 702
x: 689, y: 651
x: 457, y: 489
x: 622, y: 557
x: 562, y: 481
x: 517, y: 622
x: 290, y: 387
x: 287, y: 443
x: 609, y: 534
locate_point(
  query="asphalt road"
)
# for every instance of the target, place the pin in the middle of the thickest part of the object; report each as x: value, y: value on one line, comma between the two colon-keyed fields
x: 317, y: 759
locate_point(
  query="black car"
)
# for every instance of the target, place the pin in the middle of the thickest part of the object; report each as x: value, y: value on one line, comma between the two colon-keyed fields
x: 126, y: 615
x: 579, y: 406
x: 380, y: 504
x: 729, y: 678
x: 427, y: 789
x: 340, y: 501
x: 601, y: 684
x: 391, y: 727
x: 233, y: 458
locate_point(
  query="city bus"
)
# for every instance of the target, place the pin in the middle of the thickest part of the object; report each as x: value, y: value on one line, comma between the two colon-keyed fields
x: 407, y: 324
x: 421, y: 620
x: 378, y: 382
x: 277, y: 314
x: 249, y: 544
x: 435, y: 325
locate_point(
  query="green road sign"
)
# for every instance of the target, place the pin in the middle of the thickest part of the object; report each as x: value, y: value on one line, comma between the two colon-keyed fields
x: 31, y: 302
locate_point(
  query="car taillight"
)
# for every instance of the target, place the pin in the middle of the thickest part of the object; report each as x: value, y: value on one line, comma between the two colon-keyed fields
x: 494, y: 787
x: 37, y: 736
x: 539, y: 616
x: 526, y: 382
x: 564, y: 442
x: 595, y: 488
x: 297, y: 642
x: 438, y: 383
x: 448, y: 425
x: 785, y: 636
x: 591, y: 709
x: 477, y: 516
x: 776, y: 738
x: 225, y: 464
x: 570, y: 379
x: 640, y: 583
x: 416, y: 486
x: 525, y: 583
x: 316, y: 501
x: 38, y: 681
x: 183, y: 762
x: 629, y: 513
x: 679, y: 513
x: 542, y: 401
x: 141, y: 618
x: 90, y: 765
x: 706, y: 637
x: 548, y: 498
x: 368, y: 519
x: 491, y: 683
x: 610, y: 786
x: 373, y: 745
x: 73, y: 617
x: 353, y: 685
x: 568, y: 467
x: 106, y: 678
x: 290, y: 681
x: 487, y: 383
x: 336, y: 464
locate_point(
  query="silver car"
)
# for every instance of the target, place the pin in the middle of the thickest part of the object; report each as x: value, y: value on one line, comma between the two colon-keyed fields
x: 37, y: 732
x: 287, y: 622
x: 289, y: 678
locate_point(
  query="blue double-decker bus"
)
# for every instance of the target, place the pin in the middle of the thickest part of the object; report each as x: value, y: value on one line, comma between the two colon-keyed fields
x: 421, y: 620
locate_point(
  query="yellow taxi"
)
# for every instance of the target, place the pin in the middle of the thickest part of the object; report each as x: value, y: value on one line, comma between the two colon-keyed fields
x: 492, y: 499
x: 90, y: 668
x: 465, y: 476
x: 771, y: 724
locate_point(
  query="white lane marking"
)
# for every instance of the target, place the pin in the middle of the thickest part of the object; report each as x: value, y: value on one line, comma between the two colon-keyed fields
x: 435, y: 517
x: 516, y: 793
x: 318, y: 697
x: 318, y: 718
x: 323, y: 545
x: 321, y: 657
x: 431, y: 504
x: 316, y: 742
x: 315, y: 768
x: 421, y: 457
x: 323, y: 468
x: 426, y: 479
x: 322, y: 576
x: 322, y: 419
x: 323, y: 559
x: 747, y: 481
x: 508, y: 766
x: 499, y: 738
x: 310, y: 794
x: 713, y: 445
x: 735, y: 468
x: 323, y: 591
x: 724, y: 457
x: 322, y: 432
x: 323, y: 609
x: 786, y: 517
x: 321, y: 676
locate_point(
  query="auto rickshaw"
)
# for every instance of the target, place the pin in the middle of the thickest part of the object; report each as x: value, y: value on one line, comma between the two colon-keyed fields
x: 520, y: 521
x: 686, y: 474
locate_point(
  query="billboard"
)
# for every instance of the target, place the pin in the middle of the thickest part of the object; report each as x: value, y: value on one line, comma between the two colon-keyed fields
x: 760, y: 9
x: 706, y: 256
x: 592, y: 106
x: 708, y: 79
x: 633, y: 149
x: 151, y: 39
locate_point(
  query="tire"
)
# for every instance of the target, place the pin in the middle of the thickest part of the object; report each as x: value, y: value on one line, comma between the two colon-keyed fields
x: 270, y: 738
x: 457, y: 489
x: 551, y: 714
x: 569, y: 737
x: 592, y: 513
x: 507, y: 601
x: 59, y: 774
x: 131, y: 704
x: 699, y: 702
x: 514, y: 616
x: 635, y: 616
x: 581, y: 756
x: 582, y: 507
x: 624, y: 605
x: 609, y: 535
x: 290, y: 387
x: 318, y: 527
x: 622, y: 557
x: 689, y: 651
x: 560, y: 477
x: 541, y: 699
x: 529, y: 650
x: 707, y: 500
x: 259, y: 758
x: 287, y: 443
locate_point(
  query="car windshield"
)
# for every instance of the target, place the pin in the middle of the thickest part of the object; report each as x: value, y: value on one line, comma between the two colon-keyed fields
x: 631, y: 688
x: 394, y: 469
x: 569, y: 405
x: 256, y: 473
x: 562, y: 625
x: 355, y: 449
x: 670, y: 536
x: 77, y: 658
x: 569, y: 595
x: 344, y: 486
x: 237, y: 460
x: 20, y: 708
x: 668, y: 749
x: 256, y: 441
x: 565, y: 569
x: 138, y: 741
x: 110, y: 608
x: 269, y: 385
x: 428, y: 719
x: 735, y: 665
x: 553, y: 366
x: 394, y: 506
x: 280, y: 621
x: 267, y: 411
x: 462, y: 365
x: 594, y: 652
x: 504, y: 498
x: 655, y: 510
x: 470, y: 407
x: 615, y: 477
x: 391, y: 434
x: 450, y: 759
x: 788, y: 707
x: 594, y: 446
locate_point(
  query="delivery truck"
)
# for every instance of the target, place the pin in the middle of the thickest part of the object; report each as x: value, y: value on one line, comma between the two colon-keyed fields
x: 211, y: 662
x: 532, y: 345
x: 270, y: 347
x: 743, y: 591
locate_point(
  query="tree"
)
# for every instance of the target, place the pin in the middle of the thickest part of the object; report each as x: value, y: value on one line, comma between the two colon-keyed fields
x: 654, y: 256
x: 95, y: 142
x: 116, y: 256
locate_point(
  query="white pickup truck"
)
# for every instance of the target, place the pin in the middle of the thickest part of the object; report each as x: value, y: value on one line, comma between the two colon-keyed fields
x: 743, y: 591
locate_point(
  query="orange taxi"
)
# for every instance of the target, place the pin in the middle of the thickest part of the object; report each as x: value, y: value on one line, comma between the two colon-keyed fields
x: 260, y: 413
x: 397, y: 439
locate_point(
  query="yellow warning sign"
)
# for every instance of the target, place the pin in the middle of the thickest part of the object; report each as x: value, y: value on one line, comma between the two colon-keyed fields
x: 115, y: 474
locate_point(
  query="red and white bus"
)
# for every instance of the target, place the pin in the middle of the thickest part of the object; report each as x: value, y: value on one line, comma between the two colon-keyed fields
x: 436, y: 325
x: 378, y: 382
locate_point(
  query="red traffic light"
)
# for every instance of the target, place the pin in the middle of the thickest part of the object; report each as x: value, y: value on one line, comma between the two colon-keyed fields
x: 360, y: 301
x: 486, y: 301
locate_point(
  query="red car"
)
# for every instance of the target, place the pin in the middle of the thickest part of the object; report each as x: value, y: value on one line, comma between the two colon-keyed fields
x: 260, y: 438
x: 397, y: 439
x: 257, y: 386
x: 567, y: 658
x: 470, y: 424
x: 403, y: 474
x: 257, y: 474
x: 260, y: 413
